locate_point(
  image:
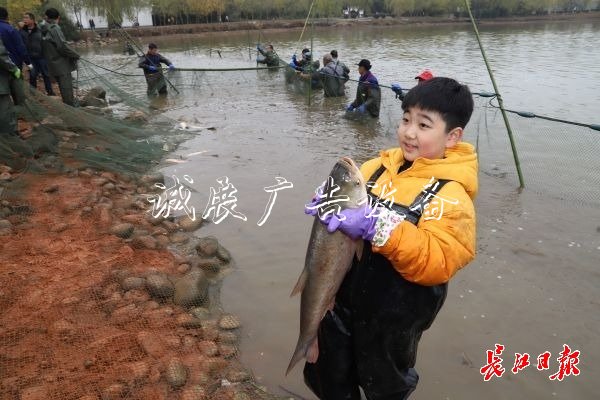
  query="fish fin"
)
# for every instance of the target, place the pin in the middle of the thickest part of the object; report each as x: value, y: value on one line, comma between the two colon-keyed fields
x: 299, y: 353
x: 360, y: 246
x: 300, y: 284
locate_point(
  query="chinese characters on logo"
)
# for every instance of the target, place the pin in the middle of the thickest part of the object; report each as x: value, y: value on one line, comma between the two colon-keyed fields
x: 174, y: 198
x: 221, y: 203
x: 568, y: 361
x: 222, y: 200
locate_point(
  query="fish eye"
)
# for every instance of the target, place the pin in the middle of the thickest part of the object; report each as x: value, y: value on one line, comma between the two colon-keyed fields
x: 357, y: 183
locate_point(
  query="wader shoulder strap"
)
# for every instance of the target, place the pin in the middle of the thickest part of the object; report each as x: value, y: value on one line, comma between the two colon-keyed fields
x: 415, y: 210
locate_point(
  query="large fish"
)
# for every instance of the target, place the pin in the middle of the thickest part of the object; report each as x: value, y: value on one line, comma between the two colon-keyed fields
x: 328, y: 257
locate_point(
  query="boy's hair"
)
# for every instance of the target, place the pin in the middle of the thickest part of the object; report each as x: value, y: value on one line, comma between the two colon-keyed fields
x: 334, y: 53
x: 3, y: 14
x: 152, y: 46
x: 52, y: 13
x: 445, y: 96
x: 30, y: 15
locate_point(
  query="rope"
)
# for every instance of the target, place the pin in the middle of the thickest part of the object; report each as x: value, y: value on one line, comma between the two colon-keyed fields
x: 527, y: 114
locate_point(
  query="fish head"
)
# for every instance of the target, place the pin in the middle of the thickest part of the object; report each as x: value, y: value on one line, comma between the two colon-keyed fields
x: 346, y: 180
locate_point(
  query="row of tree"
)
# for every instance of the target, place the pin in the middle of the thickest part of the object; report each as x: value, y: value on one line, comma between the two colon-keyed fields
x: 194, y: 11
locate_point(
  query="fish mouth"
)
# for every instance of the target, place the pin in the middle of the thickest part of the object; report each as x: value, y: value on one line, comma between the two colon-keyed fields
x: 348, y: 162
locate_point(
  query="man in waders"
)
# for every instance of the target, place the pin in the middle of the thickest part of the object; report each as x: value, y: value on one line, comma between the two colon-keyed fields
x: 61, y: 58
x: 8, y: 72
x: 151, y: 63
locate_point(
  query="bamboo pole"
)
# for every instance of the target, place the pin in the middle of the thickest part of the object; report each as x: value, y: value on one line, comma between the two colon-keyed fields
x: 500, y: 102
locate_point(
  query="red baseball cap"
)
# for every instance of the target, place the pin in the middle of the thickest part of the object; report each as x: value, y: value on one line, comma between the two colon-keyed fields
x: 425, y: 75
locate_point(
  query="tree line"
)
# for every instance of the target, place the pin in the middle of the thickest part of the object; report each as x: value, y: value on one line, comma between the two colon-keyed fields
x: 198, y: 11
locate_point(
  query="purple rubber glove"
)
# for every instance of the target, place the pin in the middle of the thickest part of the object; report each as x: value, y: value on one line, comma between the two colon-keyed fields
x: 354, y: 222
x: 311, y: 208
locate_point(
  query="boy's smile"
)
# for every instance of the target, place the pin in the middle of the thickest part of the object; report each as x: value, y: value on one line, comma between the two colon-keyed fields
x: 422, y: 133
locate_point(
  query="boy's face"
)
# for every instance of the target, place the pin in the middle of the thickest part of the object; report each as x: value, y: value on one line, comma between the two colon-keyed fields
x: 422, y: 133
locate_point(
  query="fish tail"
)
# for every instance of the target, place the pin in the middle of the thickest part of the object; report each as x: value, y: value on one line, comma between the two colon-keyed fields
x: 299, y: 353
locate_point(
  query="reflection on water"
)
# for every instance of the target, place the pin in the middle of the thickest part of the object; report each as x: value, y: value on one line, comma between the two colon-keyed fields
x: 265, y: 130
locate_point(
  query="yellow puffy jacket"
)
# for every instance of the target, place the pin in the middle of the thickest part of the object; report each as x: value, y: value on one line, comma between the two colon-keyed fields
x: 442, y: 243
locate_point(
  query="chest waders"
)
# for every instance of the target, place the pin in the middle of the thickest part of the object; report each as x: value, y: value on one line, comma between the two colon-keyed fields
x: 370, y: 338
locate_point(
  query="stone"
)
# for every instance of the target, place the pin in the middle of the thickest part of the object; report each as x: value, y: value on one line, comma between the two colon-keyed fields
x: 188, y: 342
x: 162, y: 241
x: 122, y: 230
x: 235, y: 376
x: 207, y: 246
x: 88, y: 397
x: 170, y: 226
x: 95, y: 97
x: 98, y: 181
x: 144, y: 242
x: 208, y: 348
x: 223, y: 254
x: 229, y: 321
x: 209, y: 264
x: 176, y: 373
x: 50, y: 189
x: 132, y: 282
x: 227, y: 337
x: 136, y: 296
x: 108, y: 175
x: 154, y: 220
x: 200, y: 312
x: 227, y: 351
x: 97, y: 92
x: 151, y: 344
x: 191, y: 289
x: 214, y: 365
x: 183, y: 268
x: 105, y: 217
x: 59, y: 227
x: 179, y: 237
x: 186, y: 224
x: 109, y: 186
x: 159, y: 286
x: 188, y: 321
x: 5, y: 224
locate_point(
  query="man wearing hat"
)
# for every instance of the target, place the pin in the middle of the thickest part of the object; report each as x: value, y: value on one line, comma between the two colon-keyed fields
x: 425, y: 75
x: 368, y: 93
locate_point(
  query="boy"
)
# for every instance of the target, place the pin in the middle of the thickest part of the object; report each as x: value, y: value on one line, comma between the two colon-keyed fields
x: 155, y: 79
x: 419, y: 230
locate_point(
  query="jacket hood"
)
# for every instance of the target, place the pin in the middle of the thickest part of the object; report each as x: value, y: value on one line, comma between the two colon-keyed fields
x: 43, y: 26
x: 459, y: 164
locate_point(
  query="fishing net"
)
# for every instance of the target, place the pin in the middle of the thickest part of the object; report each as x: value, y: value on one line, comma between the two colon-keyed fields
x: 95, y: 309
